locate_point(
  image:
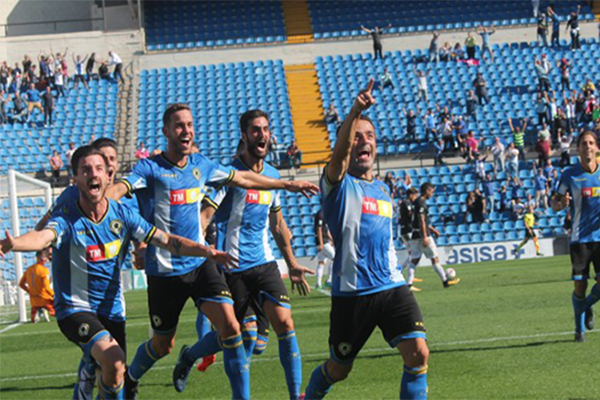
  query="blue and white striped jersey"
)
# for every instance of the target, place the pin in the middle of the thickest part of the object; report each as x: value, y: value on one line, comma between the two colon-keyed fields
x: 171, y: 200
x: 87, y: 258
x: 242, y: 220
x: 585, y: 205
x: 359, y: 216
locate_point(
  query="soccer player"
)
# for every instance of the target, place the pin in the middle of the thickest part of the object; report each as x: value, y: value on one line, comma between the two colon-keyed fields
x: 174, y: 184
x: 529, y: 220
x: 407, y: 208
x: 326, y: 252
x: 36, y: 282
x: 243, y: 219
x: 580, y: 184
x: 367, y: 289
x: 90, y: 237
x: 422, y: 242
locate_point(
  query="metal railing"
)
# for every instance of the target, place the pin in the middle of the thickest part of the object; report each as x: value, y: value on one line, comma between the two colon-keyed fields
x: 54, y: 24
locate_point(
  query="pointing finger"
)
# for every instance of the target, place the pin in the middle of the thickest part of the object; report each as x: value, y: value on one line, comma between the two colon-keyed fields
x: 370, y: 85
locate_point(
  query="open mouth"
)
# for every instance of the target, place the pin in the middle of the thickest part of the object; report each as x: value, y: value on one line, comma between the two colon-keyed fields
x: 364, y: 155
x: 186, y: 141
x: 94, y: 187
x: 262, y: 145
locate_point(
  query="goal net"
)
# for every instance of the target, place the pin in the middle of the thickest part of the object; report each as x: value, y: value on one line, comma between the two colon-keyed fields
x: 23, y: 201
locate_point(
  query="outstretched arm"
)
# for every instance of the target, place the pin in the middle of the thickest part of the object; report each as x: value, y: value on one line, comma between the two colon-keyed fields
x: 365, y: 29
x: 251, y: 180
x: 283, y: 237
x: 340, y: 158
x: 31, y: 241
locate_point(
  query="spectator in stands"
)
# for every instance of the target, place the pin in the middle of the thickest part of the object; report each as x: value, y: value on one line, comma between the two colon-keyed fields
x: 68, y: 156
x: 541, y: 189
x: 565, y: 67
x: 489, y: 191
x: 555, y: 39
x: 573, y: 26
x: 445, y: 128
x: 115, y: 60
x: 471, y: 104
x: 4, y: 77
x: 103, y: 71
x: 517, y: 208
x: 438, y: 148
x: 59, y: 83
x: 515, y: 187
x: 33, y: 100
x: 479, y: 162
x: 561, y: 123
x: 460, y: 129
x: 548, y: 169
x: 446, y: 52
x: 332, y: 115
x: 519, y: 136
x: 458, y: 53
x: 536, y: 7
x: 542, y: 73
x: 470, y: 44
x: 512, y: 161
x: 544, y: 132
x: 389, y: 181
x: 56, y: 164
x: 434, y: 50
x: 497, y: 151
x: 36, y: 282
x: 79, y: 70
x: 411, y: 124
x: 294, y: 154
x: 275, y: 150
x: 89, y: 66
x: 472, y: 146
x: 48, y: 101
x: 588, y: 87
x: 502, y: 197
x: 480, y: 85
x: 19, y: 112
x: 485, y: 38
x: 142, y: 152
x: 376, y: 35
x: 422, y: 83
x: 564, y: 141
x: 3, y: 103
x: 43, y: 61
x: 61, y: 59
x: 541, y: 109
x: 554, y: 181
x: 26, y: 64
x: 405, y: 183
x: 430, y: 125
x: 386, y: 79
x: 476, y: 206
x: 542, y: 30
x: 542, y: 149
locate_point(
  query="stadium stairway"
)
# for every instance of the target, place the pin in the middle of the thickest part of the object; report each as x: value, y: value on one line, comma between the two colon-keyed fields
x: 298, y: 24
x: 596, y: 9
x: 307, y: 112
x: 126, y: 132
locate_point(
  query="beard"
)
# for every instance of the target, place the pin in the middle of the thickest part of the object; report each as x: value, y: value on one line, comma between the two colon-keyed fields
x: 255, y: 152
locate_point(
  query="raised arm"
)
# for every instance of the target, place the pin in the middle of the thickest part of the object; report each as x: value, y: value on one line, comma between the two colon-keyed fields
x: 31, y: 241
x: 510, y: 124
x: 185, y: 247
x: 525, y: 120
x: 250, y: 180
x: 340, y: 158
x: 365, y: 29
x: 283, y: 237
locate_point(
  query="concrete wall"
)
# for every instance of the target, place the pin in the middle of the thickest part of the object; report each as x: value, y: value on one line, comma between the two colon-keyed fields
x: 33, y: 17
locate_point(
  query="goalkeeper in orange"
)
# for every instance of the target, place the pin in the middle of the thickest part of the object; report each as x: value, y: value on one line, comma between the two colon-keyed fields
x: 36, y: 282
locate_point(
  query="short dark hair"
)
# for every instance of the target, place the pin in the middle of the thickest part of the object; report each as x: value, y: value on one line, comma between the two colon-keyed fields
x: 172, y: 109
x: 82, y: 152
x: 249, y: 116
x: 104, y: 142
x: 412, y: 190
x: 425, y: 187
x: 587, y: 133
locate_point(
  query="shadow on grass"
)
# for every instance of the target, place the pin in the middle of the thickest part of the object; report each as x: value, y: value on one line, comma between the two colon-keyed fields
x: 33, y: 389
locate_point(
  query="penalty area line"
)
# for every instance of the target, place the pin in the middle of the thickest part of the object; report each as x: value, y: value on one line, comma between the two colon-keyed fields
x: 326, y: 354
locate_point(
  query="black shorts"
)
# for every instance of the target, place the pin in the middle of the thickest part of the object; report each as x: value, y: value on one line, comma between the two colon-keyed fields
x: 255, y: 313
x: 530, y: 233
x: 582, y: 255
x: 83, y: 327
x: 79, y: 78
x: 167, y: 295
x: 353, y: 319
x: 256, y: 285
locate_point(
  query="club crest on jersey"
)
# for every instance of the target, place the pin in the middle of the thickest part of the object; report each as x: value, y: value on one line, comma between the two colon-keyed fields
x: 197, y: 173
x: 344, y: 348
x: 381, y: 208
x: 116, y: 226
x: 83, y: 330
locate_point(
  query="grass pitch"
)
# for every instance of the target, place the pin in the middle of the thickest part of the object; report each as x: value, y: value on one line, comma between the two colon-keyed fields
x: 505, y: 332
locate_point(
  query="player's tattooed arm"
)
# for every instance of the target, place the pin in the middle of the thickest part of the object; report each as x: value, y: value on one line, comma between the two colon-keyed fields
x: 185, y: 247
x: 340, y: 158
x: 31, y: 241
x: 283, y: 238
x: 251, y: 180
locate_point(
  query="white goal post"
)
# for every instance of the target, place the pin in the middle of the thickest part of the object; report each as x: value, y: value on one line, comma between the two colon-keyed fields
x: 16, y: 180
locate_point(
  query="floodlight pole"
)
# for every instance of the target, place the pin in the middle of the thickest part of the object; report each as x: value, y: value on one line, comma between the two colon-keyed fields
x: 14, y: 215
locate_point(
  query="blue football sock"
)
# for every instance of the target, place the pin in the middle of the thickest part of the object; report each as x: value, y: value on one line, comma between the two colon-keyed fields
x: 261, y: 345
x: 86, y: 378
x: 237, y: 367
x: 291, y: 361
x: 579, y: 310
x: 202, y: 325
x: 144, y: 359
x: 414, y: 384
x: 249, y: 335
x: 110, y: 393
x: 210, y: 344
x: 593, y: 297
x: 320, y: 383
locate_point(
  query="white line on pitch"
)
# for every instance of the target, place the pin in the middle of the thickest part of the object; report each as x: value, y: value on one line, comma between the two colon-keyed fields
x: 8, y: 328
x: 325, y: 354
